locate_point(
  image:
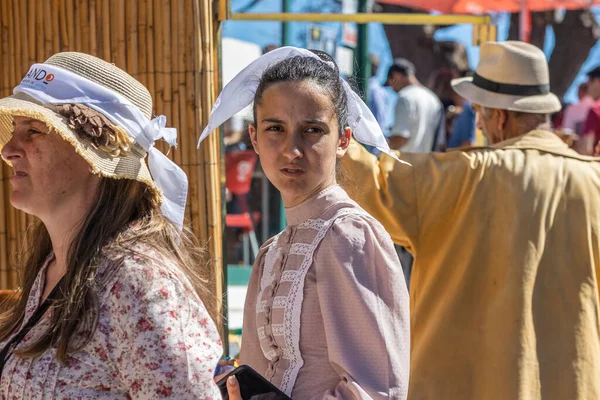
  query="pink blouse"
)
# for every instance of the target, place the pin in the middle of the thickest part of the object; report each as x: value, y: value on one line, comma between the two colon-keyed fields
x: 155, y: 340
x: 326, y: 313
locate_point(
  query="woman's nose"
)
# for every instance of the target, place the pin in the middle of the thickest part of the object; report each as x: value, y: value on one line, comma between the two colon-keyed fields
x: 293, y: 147
x: 12, y: 150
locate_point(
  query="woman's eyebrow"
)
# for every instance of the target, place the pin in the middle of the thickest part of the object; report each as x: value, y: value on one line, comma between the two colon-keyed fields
x: 315, y: 121
x: 273, y: 120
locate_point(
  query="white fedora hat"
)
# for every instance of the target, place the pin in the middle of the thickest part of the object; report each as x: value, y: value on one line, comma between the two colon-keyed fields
x: 510, y: 76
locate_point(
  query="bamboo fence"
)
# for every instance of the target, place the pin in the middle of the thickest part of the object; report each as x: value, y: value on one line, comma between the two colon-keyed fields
x: 168, y: 45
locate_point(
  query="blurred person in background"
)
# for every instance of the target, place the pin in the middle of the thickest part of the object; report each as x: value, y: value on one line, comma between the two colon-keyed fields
x: 576, y: 114
x: 419, y: 125
x: 378, y: 100
x: 235, y: 134
x: 439, y: 84
x: 590, y: 129
x: 464, y: 129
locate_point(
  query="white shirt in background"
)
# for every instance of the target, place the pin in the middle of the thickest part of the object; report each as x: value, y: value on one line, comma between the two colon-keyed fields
x: 419, y: 118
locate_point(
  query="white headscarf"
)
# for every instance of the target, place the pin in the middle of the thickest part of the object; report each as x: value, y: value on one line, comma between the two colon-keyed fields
x: 239, y: 93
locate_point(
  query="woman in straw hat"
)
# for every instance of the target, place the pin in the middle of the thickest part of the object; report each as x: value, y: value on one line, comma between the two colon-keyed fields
x: 113, y: 303
x: 326, y: 314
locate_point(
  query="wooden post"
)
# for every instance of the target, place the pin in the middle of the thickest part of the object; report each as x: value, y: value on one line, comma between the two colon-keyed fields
x: 210, y: 149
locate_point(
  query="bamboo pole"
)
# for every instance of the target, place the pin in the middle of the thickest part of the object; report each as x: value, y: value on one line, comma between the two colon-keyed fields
x: 93, y: 31
x: 54, y: 15
x: 24, y: 49
x: 104, y: 16
x: 6, y: 256
x: 159, y: 78
x: 150, y: 48
x: 70, y: 11
x: 12, y: 239
x: 4, y: 262
x: 11, y: 42
x: 22, y: 224
x: 63, y: 25
x: 179, y: 83
x: 207, y: 50
x: 83, y: 27
x: 46, y: 47
x: 21, y: 33
x: 142, y: 54
x: 3, y: 40
x: 78, y: 30
x: 118, y: 27
x: 38, y: 32
x: 132, y: 52
x: 4, y: 91
x: 198, y: 101
x: 190, y: 110
x: 30, y: 30
x: 18, y: 39
x: 218, y: 178
x: 175, y: 67
x: 166, y: 46
x: 5, y: 48
x: 365, y: 18
x: 18, y: 42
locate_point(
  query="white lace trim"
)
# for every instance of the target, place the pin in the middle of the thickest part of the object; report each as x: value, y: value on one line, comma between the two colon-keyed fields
x: 267, y: 277
x: 286, y: 354
x: 270, y: 259
x: 293, y: 307
x: 260, y: 306
x: 261, y: 333
x: 279, y: 302
x: 271, y: 354
x: 278, y: 329
x: 300, y: 249
x: 316, y: 224
x: 288, y: 276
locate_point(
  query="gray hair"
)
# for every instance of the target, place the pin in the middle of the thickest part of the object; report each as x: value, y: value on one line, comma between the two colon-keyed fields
x: 526, y: 122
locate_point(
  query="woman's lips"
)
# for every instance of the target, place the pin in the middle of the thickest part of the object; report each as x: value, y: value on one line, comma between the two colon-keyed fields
x: 292, y: 171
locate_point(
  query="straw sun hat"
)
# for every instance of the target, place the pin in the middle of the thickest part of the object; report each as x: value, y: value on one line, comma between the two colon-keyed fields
x: 130, y: 164
x: 510, y: 76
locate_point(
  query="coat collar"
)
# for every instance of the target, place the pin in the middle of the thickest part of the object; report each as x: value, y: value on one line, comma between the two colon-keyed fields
x: 541, y: 140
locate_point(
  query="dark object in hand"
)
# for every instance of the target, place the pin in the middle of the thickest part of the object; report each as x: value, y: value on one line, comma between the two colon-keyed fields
x: 253, y: 386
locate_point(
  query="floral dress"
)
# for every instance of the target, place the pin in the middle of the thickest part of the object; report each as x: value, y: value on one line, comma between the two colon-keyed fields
x: 154, y: 340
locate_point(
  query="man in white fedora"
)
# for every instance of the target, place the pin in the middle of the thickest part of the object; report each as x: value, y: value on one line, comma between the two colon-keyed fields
x: 506, y: 239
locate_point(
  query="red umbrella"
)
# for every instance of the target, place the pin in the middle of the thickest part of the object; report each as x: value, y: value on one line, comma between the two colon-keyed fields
x: 482, y: 6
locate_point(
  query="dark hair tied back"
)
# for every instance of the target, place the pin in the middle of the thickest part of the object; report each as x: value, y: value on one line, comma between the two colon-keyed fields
x: 301, y: 69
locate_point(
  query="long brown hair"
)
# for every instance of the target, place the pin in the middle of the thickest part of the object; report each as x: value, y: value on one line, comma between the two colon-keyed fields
x: 124, y: 213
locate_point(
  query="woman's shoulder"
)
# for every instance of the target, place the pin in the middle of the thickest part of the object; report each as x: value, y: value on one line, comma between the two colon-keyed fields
x: 354, y: 241
x: 354, y: 226
x: 143, y: 267
x: 352, y: 215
